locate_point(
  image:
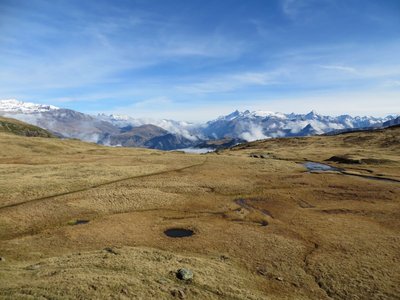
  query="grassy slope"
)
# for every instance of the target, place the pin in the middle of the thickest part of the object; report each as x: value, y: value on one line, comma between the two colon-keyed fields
x: 20, y: 128
x: 328, y: 235
x: 378, y: 150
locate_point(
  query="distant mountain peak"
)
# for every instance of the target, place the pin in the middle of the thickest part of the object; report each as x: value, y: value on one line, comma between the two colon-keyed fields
x: 16, y: 106
x: 311, y: 115
x: 115, y: 117
x: 231, y: 116
x: 309, y: 130
x: 252, y: 114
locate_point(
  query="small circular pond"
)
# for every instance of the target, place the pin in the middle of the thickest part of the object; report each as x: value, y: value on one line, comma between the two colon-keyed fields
x: 178, y: 232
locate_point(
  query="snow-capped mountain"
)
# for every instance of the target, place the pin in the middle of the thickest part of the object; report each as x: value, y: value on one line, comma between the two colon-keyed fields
x: 117, y: 130
x: 108, y: 130
x: 185, y: 129
x: 62, y: 122
x: 254, y: 125
x: 392, y: 122
x: 15, y: 106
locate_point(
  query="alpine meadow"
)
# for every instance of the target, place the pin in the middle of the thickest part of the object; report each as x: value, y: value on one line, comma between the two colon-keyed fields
x: 200, y: 149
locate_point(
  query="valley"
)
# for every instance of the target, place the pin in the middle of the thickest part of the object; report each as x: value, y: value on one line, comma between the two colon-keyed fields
x: 80, y: 220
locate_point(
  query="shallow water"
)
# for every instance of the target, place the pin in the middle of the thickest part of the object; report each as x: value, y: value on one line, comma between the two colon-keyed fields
x: 318, y: 167
x: 196, y: 150
x: 313, y: 166
x: 178, y: 232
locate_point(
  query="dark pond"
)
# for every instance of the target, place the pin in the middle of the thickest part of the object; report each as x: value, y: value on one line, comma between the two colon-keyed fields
x: 313, y: 166
x: 178, y: 232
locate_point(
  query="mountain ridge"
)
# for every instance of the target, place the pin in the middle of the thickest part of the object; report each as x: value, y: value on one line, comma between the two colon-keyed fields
x: 170, y: 134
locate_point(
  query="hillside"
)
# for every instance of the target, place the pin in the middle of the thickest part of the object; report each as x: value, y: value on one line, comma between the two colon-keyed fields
x: 148, y: 136
x: 20, y: 128
x: 79, y: 220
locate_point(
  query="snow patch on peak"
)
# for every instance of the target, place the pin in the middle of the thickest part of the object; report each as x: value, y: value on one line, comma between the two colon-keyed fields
x: 312, y: 115
x: 119, y: 117
x: 16, y: 106
x: 265, y: 114
x: 252, y: 114
x: 231, y: 116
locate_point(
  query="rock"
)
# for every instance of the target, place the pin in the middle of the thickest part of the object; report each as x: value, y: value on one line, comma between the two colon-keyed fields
x: 279, y: 278
x: 2, y: 259
x: 184, y: 274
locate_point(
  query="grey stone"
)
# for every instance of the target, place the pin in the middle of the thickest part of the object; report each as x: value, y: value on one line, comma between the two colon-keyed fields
x: 184, y: 274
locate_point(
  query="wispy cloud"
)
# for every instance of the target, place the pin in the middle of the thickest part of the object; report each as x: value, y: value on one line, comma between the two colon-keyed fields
x: 96, y: 49
x: 157, y: 101
x: 345, y: 69
x: 226, y: 83
x: 157, y: 59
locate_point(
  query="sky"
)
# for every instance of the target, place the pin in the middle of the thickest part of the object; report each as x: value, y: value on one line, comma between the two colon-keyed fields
x: 195, y: 60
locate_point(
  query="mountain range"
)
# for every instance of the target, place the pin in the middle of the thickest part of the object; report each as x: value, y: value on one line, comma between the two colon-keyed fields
x: 115, y: 130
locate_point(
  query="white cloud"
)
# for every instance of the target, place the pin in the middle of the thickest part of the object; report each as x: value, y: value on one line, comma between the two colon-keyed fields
x: 253, y: 133
x: 225, y: 83
x: 340, y: 68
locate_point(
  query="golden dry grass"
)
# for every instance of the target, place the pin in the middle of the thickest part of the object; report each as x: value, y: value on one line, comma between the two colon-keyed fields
x: 329, y: 235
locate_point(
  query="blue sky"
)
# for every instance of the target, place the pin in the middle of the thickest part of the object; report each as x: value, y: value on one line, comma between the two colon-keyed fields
x: 197, y: 59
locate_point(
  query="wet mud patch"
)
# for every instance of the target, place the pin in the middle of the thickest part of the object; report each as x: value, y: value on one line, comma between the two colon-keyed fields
x: 78, y: 222
x: 262, y: 223
x: 244, y: 203
x: 347, y: 159
x: 304, y: 204
x: 178, y: 232
x: 344, y: 159
x: 342, y: 211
